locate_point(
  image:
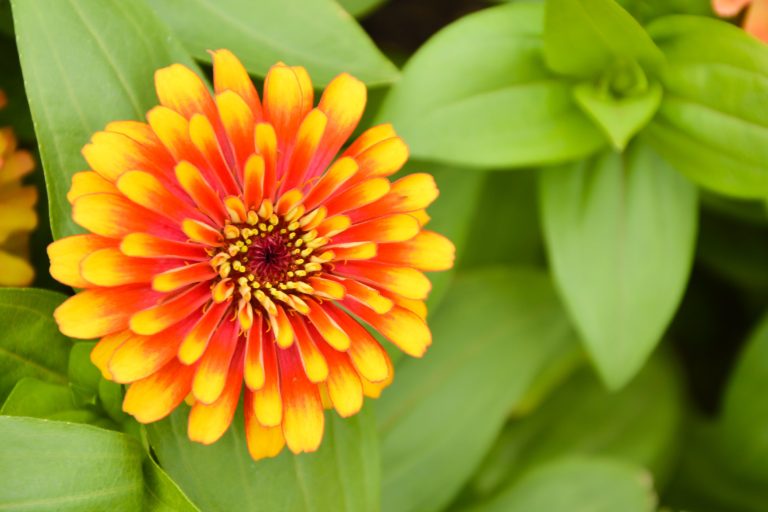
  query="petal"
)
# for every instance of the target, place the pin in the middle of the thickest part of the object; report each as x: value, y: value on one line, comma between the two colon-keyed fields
x: 266, y: 144
x: 729, y: 8
x: 366, y: 354
x: 253, y: 181
x: 197, y: 339
x: 143, y: 245
x: 308, y: 138
x: 179, y: 88
x: 200, y: 191
x: 207, y: 423
x: 413, y: 192
x: 400, y: 326
x: 111, y: 154
x: 354, y: 251
x: 89, y: 182
x: 238, y: 121
x: 370, y: 137
x: 229, y: 74
x: 756, y: 21
x: 219, y: 157
x: 326, y: 288
x: 408, y: 282
x: 303, y: 419
x: 426, y: 251
x: 66, y: 254
x: 101, y: 311
x: 358, y: 195
x: 211, y: 375
x: 103, y: 350
x: 268, y: 403
x: 140, y: 356
x: 201, y: 232
x: 284, y: 105
x: 312, y: 359
x: 327, y: 326
x: 145, y: 190
x: 16, y: 165
x: 392, y: 228
x: 171, y: 311
x: 16, y: 270
x: 253, y: 365
x: 110, y: 267
x: 281, y: 328
x: 382, y: 159
x: 179, y: 277
x: 344, y: 386
x: 153, y: 398
x: 339, y: 173
x: 262, y: 441
x: 366, y: 295
x: 115, y: 216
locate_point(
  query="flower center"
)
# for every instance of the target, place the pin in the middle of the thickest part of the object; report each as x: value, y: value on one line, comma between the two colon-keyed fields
x: 267, y: 257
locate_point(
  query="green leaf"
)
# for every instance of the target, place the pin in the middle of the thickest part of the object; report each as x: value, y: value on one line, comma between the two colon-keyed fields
x: 360, y: 8
x: 495, y: 332
x: 50, y: 465
x: 37, y: 399
x: 161, y: 494
x: 584, y: 38
x: 316, y: 34
x: 713, y: 121
x: 82, y: 372
x: 620, y: 232
x: 80, y: 74
x: 565, y: 425
x: 343, y: 475
x: 619, y: 118
x: 578, y: 485
x: 745, y: 409
x: 33, y: 347
x: 504, y: 109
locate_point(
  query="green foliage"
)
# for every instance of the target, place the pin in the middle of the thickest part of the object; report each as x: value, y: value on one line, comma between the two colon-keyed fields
x: 620, y: 232
x: 342, y: 475
x: 442, y: 414
x: 316, y: 34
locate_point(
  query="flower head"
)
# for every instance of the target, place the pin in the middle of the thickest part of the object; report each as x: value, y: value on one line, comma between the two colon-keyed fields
x: 755, y: 19
x: 231, y: 247
x: 17, y: 210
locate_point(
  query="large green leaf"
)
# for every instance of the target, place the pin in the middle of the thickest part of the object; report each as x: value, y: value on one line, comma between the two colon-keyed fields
x: 713, y: 121
x: 342, y: 476
x: 86, y: 63
x: 317, y: 34
x: 30, y: 344
x: 745, y: 409
x: 585, y: 38
x: 620, y: 232
x: 360, y: 8
x: 640, y: 424
x: 495, y: 332
x: 50, y: 465
x: 161, y: 494
x: 578, y: 485
x: 478, y: 94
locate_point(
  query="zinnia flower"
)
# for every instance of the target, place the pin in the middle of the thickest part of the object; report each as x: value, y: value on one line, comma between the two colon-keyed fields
x: 755, y: 20
x: 17, y: 210
x: 228, y: 244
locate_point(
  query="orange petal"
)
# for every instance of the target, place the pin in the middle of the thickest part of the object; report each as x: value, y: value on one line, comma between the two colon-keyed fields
x: 400, y: 326
x: 66, y: 254
x: 253, y: 365
x: 303, y: 419
x: 370, y: 137
x: 312, y: 359
x: 281, y: 328
x: 354, y: 251
x: 266, y: 143
x: 366, y: 354
x: 268, y: 403
x: 326, y: 288
x: 115, y: 216
x: 426, y: 251
x: 392, y: 228
x: 101, y: 311
x: 110, y: 267
x: 171, y: 311
x: 262, y: 441
x: 413, y: 192
x: 219, y: 156
x: 229, y: 74
x: 284, y: 104
x: 382, y: 159
x: 408, y: 282
x: 89, y: 182
x: 195, y: 342
x: 308, y: 138
x: 344, y: 387
x: 143, y: 245
x: 253, y: 181
x: 200, y: 191
x: 111, y: 154
x: 145, y: 190
x: 327, y: 326
x: 201, y: 232
x: 140, y: 356
x: 207, y: 423
x: 211, y: 374
x: 358, y: 195
x: 338, y: 174
x: 238, y: 121
x: 179, y: 277
x: 103, y: 350
x: 179, y: 88
x: 756, y: 21
x: 366, y: 295
x: 153, y: 398
x: 729, y: 8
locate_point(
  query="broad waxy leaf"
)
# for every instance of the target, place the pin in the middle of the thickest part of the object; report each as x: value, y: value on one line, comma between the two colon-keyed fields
x: 161, y: 494
x: 360, y: 8
x: 712, y: 124
x: 506, y: 109
x: 51, y: 465
x: 584, y: 38
x: 620, y: 118
x: 578, y: 485
x: 495, y: 332
x: 33, y: 347
x: 620, y: 232
x: 316, y: 34
x: 640, y: 424
x: 80, y: 74
x: 343, y: 475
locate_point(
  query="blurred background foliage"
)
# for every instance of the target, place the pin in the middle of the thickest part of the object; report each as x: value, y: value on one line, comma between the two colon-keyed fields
x: 601, y: 344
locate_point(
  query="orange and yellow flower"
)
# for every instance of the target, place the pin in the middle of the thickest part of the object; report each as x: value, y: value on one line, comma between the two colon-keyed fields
x: 17, y: 210
x: 230, y: 244
x: 755, y: 19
